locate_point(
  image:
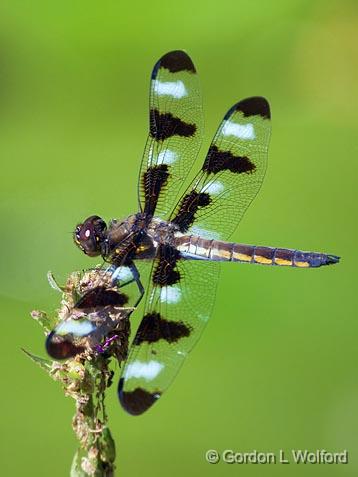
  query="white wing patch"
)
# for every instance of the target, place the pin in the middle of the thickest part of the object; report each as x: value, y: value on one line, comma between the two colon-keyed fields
x: 170, y: 294
x: 164, y: 157
x: 214, y: 188
x: 140, y: 369
x: 242, y: 131
x: 167, y: 157
x: 122, y: 274
x: 208, y: 234
x: 76, y: 327
x: 170, y: 88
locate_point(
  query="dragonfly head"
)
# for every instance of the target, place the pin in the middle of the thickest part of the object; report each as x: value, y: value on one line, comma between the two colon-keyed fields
x: 89, y: 235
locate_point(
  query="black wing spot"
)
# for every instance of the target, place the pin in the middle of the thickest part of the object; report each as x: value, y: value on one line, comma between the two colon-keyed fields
x: 99, y: 297
x: 217, y: 161
x: 174, y: 61
x: 255, y: 106
x: 138, y: 401
x: 154, y: 179
x: 165, y: 273
x: 60, y: 347
x: 154, y: 328
x: 165, y: 125
x: 189, y: 206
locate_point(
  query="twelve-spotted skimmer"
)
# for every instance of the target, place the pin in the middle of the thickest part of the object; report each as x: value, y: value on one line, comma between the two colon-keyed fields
x: 185, y: 237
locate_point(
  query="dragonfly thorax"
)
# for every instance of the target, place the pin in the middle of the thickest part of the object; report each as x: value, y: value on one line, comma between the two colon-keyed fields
x: 137, y: 237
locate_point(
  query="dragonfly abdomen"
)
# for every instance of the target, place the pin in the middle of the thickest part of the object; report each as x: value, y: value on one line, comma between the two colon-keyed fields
x: 194, y: 247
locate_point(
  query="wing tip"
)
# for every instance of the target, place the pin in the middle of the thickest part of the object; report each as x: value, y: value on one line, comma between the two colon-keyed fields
x: 174, y: 61
x: 59, y: 347
x: 254, y: 106
x: 138, y: 401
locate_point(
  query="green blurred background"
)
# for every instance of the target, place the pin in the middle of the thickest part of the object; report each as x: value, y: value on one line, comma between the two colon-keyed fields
x: 276, y: 367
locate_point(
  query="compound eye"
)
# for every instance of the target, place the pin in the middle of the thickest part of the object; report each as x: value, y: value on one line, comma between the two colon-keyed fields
x: 89, y: 235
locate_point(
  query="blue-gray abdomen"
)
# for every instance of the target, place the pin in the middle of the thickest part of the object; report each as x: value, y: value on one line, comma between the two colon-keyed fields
x: 194, y: 247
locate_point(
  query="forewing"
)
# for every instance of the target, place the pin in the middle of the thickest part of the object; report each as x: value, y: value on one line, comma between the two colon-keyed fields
x: 231, y: 175
x: 175, y: 132
x: 179, y: 304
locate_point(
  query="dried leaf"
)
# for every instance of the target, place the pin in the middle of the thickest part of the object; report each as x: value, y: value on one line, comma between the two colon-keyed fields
x: 76, y: 469
x: 45, y: 364
x: 44, y: 320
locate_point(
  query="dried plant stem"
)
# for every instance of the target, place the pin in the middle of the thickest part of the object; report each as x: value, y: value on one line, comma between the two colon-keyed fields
x: 87, y: 376
x: 86, y: 381
x: 96, y: 455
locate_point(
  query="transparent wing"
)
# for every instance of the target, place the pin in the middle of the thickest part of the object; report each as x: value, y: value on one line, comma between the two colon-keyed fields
x: 231, y: 175
x: 175, y: 133
x: 182, y: 292
x: 95, y: 304
x: 179, y: 304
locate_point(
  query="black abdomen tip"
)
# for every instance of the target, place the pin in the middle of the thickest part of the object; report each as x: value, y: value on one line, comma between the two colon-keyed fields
x: 331, y: 259
x: 319, y: 260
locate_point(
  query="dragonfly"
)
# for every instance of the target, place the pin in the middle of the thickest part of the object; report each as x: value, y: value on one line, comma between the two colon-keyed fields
x: 185, y: 233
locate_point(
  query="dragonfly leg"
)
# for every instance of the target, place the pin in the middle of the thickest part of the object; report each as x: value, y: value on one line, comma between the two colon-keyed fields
x: 136, y: 278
